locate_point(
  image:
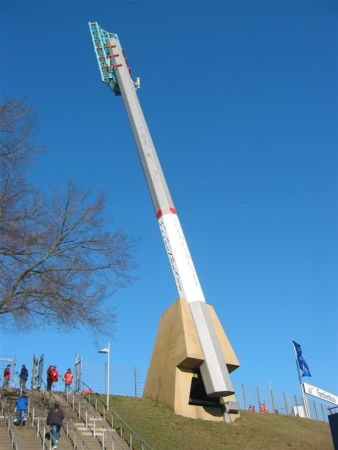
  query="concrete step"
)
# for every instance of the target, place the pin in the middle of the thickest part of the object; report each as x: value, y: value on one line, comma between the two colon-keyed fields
x: 4, y: 436
x: 87, y: 433
x: 27, y: 437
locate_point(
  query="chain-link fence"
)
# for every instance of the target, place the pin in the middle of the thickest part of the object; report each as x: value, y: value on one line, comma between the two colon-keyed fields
x: 130, y: 381
x: 279, y: 402
x: 123, y: 380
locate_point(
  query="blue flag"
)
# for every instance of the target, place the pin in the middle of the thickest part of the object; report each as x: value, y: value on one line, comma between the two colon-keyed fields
x: 301, y: 360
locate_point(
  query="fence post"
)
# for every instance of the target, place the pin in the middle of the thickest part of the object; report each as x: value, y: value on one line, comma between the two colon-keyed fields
x: 286, y: 404
x: 135, y: 384
x: 272, y: 401
x: 259, y: 399
x: 315, y: 408
x: 323, y: 413
x: 244, y: 396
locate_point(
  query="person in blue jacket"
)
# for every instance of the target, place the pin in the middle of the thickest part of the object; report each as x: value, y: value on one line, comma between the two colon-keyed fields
x: 21, y: 409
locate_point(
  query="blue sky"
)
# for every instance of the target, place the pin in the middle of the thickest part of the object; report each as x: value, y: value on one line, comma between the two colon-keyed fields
x: 241, y: 101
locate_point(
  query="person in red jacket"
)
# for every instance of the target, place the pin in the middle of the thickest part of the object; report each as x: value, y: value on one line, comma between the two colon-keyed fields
x: 7, y: 376
x: 263, y: 408
x: 68, y: 379
x: 55, y: 375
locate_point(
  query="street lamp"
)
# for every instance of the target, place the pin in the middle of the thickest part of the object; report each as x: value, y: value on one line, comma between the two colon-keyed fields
x: 107, y: 350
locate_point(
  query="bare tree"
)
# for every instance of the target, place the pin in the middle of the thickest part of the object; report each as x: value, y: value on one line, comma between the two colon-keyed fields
x: 59, y: 261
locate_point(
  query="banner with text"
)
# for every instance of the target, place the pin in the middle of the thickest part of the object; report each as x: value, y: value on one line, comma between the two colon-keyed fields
x: 316, y: 392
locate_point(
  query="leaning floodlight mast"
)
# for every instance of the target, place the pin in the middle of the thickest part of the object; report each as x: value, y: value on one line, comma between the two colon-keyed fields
x: 115, y: 72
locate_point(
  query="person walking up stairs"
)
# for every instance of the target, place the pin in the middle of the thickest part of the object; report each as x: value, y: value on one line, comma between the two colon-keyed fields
x: 54, y: 419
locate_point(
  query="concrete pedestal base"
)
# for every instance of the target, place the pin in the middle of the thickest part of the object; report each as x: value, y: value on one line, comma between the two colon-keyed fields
x: 174, y: 379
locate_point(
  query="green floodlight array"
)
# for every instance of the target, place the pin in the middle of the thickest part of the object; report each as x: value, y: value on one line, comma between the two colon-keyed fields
x: 100, y: 39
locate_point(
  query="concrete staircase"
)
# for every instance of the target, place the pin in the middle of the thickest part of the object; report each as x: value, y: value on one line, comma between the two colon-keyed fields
x: 5, y: 438
x: 83, y: 427
x: 71, y: 434
x: 35, y: 434
x: 12, y: 436
x: 83, y: 422
x: 90, y: 423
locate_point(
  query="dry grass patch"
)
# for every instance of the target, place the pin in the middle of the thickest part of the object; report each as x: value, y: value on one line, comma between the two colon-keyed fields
x: 163, y: 430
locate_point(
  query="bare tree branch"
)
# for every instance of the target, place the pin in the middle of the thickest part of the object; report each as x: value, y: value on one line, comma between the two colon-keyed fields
x: 59, y: 261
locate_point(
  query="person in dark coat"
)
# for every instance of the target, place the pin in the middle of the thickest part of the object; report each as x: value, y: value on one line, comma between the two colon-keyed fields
x: 54, y: 420
x: 23, y: 377
x: 49, y: 378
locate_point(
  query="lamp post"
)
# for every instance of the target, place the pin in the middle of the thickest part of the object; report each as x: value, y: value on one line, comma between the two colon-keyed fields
x: 107, y: 350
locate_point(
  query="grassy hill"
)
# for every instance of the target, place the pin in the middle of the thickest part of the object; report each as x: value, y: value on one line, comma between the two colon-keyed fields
x: 163, y: 430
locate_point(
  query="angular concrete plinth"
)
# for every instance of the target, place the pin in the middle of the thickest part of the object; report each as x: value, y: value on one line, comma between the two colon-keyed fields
x: 173, y: 377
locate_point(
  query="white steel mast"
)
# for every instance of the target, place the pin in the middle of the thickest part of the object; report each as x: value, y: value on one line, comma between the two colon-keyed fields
x: 115, y: 72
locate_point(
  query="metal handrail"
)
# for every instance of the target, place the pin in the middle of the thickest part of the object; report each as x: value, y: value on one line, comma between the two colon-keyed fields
x: 332, y: 409
x: 71, y: 432
x: 78, y: 403
x: 9, y: 424
x: 38, y: 420
x: 106, y: 411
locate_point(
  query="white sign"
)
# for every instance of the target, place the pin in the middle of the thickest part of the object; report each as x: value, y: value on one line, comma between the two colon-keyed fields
x: 316, y: 392
x: 299, y: 411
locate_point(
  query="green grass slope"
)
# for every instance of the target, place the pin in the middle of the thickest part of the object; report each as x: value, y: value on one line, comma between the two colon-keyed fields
x: 163, y: 430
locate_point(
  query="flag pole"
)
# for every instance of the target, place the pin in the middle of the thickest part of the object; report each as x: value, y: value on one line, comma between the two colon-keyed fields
x: 306, y: 407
